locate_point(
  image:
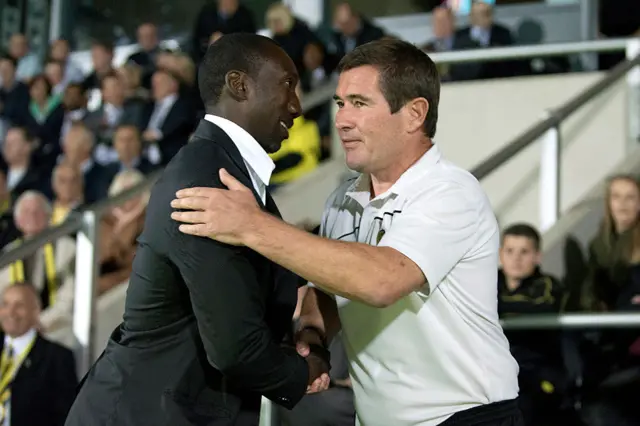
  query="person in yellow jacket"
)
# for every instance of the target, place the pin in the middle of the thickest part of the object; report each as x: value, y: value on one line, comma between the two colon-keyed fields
x: 299, y: 154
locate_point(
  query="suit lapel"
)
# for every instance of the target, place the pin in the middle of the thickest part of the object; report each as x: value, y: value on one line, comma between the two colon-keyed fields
x: 209, y: 131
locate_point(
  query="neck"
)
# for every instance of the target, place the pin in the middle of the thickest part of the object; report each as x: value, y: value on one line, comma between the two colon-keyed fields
x: 382, y: 180
x: 41, y: 103
x: 64, y: 203
x: 623, y: 227
x: 18, y: 334
x: 513, y: 283
x: 230, y: 113
x: 20, y: 164
x: 7, y: 83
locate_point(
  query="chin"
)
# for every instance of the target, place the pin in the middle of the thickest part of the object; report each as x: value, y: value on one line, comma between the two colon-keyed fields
x: 272, y: 147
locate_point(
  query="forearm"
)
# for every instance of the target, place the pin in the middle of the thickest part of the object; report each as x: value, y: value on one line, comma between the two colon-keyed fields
x: 351, y: 270
x: 319, y: 311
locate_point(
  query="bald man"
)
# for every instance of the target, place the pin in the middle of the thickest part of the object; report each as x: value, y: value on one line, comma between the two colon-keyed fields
x: 38, y: 376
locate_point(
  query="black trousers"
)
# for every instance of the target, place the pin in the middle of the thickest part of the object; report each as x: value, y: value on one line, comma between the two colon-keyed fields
x: 503, y: 413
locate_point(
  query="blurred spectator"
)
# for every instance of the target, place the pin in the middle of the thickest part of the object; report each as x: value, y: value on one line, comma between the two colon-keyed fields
x: 524, y: 289
x: 170, y: 118
x: 50, y: 269
x: 74, y: 103
x: 22, y: 174
x: 615, y: 248
x: 67, y: 191
x: 128, y: 146
x: 101, y: 58
x: 54, y: 71
x: 131, y: 77
x: 292, y: 34
x: 443, y: 24
x: 115, y: 110
x: 8, y: 230
x: 44, y: 384
x: 617, y: 18
x: 120, y: 231
x: 29, y: 64
x: 318, y: 66
x: 221, y: 16
x: 14, y: 96
x: 483, y: 32
x: 78, y: 146
x: 59, y: 52
x: 145, y: 58
x: 46, y: 113
x: 351, y: 30
x: 299, y: 154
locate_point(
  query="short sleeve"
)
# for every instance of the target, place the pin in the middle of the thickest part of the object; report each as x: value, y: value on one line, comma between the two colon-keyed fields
x: 435, y: 230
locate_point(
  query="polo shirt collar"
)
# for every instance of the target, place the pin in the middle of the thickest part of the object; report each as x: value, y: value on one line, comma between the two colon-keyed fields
x: 250, y: 150
x: 360, y: 190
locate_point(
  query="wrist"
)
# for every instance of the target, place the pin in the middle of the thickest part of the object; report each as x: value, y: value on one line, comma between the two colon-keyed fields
x: 254, y: 233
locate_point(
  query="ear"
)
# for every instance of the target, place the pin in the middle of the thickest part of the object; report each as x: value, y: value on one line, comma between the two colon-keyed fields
x: 236, y: 83
x: 417, y: 110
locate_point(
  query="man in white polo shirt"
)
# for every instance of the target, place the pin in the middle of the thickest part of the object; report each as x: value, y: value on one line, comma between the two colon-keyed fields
x: 411, y: 258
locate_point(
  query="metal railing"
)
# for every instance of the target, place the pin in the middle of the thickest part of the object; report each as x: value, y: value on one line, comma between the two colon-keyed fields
x: 86, y: 223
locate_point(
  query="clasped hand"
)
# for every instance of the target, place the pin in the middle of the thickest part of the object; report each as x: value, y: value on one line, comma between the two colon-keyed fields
x: 318, y: 368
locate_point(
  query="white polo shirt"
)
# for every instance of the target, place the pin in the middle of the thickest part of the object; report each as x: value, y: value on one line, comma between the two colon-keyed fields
x: 440, y: 350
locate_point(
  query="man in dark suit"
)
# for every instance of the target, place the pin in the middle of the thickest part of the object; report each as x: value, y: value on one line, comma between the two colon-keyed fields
x: 43, y: 373
x: 169, y: 119
x: 204, y: 321
x: 484, y: 32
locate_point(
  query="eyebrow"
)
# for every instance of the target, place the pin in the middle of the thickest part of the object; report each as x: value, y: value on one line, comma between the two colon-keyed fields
x: 354, y: 97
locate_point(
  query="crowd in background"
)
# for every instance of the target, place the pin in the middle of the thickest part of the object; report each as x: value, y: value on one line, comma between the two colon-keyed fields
x: 69, y: 139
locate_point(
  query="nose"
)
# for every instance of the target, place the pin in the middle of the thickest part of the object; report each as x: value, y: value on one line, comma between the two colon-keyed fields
x: 344, y: 122
x: 294, y: 106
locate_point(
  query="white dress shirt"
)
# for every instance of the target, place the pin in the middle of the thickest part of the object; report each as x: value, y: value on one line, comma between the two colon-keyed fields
x: 19, y: 345
x: 258, y: 162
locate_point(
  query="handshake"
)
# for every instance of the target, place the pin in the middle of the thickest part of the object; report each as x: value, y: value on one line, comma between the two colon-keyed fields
x: 311, y: 345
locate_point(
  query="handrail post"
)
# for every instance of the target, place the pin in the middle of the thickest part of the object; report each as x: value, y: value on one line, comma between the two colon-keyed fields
x: 633, y: 94
x: 268, y: 413
x: 86, y: 278
x: 550, y: 179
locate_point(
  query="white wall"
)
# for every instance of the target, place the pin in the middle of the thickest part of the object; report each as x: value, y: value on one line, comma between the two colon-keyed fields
x: 478, y: 118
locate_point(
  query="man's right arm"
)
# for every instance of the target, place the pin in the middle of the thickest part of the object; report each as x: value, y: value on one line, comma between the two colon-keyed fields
x: 229, y: 305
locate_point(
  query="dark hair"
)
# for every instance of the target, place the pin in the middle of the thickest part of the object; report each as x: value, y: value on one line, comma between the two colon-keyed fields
x: 7, y: 57
x: 523, y: 230
x: 406, y: 73
x: 244, y: 52
x: 41, y: 77
x: 54, y: 61
x: 104, y: 44
x: 27, y: 134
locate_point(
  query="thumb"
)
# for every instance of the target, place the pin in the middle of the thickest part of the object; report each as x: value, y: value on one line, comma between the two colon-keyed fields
x: 230, y: 182
x: 303, y: 349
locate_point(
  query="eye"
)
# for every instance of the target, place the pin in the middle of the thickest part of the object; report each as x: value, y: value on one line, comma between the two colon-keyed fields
x: 289, y: 84
x: 340, y: 104
x: 358, y: 104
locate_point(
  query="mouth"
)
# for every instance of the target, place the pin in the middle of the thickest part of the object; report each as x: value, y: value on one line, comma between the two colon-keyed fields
x: 285, y: 128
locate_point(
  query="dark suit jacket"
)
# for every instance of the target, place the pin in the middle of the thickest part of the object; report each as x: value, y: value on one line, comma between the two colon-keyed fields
x: 133, y: 113
x: 500, y: 37
x: 203, y: 321
x: 8, y: 231
x: 96, y: 183
x: 45, y: 385
x: 14, y: 104
x: 209, y: 22
x: 368, y: 33
x: 33, y: 179
x: 176, y: 127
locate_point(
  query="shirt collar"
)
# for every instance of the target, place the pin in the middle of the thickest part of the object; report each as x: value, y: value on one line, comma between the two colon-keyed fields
x: 253, y: 154
x: 360, y: 190
x: 20, y: 343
